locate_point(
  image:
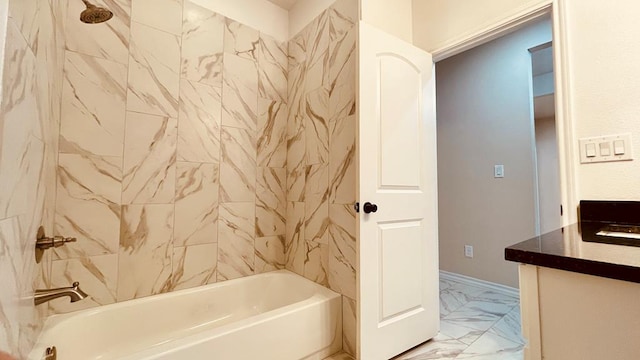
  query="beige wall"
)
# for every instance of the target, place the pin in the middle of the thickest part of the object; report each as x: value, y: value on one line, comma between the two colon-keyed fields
x: 548, y: 174
x: 484, y: 118
x: 392, y: 16
x: 438, y: 22
x: 603, y: 89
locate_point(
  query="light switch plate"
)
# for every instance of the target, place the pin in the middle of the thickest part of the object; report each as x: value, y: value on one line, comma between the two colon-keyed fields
x: 498, y: 171
x: 606, y: 149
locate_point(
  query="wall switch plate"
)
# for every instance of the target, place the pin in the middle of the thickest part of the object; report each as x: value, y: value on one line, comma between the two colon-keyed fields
x: 606, y: 149
x: 498, y: 171
x: 468, y: 251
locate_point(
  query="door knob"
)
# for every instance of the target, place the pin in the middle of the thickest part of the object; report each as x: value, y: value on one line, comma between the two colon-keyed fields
x: 369, y: 208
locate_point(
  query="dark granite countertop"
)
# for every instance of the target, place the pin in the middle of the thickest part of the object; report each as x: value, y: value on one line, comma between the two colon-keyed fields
x: 564, y: 249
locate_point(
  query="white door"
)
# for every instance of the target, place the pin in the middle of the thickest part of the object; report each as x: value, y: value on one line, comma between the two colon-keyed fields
x: 398, y: 244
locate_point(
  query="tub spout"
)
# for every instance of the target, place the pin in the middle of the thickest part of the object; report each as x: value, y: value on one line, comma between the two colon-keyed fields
x: 73, y: 292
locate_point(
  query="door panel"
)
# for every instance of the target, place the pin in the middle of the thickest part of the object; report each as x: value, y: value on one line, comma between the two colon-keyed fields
x: 400, y: 273
x: 397, y: 245
x: 400, y: 155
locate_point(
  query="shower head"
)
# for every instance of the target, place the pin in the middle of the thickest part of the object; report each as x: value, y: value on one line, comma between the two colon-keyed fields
x: 94, y: 14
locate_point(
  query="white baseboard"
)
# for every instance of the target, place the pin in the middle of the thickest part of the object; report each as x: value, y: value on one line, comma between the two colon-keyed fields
x: 508, y: 290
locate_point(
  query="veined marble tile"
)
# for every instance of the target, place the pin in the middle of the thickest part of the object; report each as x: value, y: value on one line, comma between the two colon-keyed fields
x: 10, y: 266
x: 441, y: 347
x: 271, y: 202
x: 270, y: 253
x: 241, y: 40
x: 107, y: 41
x: 349, y: 325
x: 492, y: 347
x: 497, y: 297
x: 316, y: 261
x: 194, y: 266
x: 317, y: 53
x: 154, y: 71
x: 196, y: 218
x: 460, y: 333
x: 50, y: 63
x: 272, y: 68
x: 295, y: 240
x: 297, y: 49
x: 238, y: 168
x: 272, y: 133
x: 455, y: 296
x: 342, y: 170
x: 199, y: 122
x: 509, y: 327
x: 343, y: 15
x: 236, y: 240
x: 342, y: 60
x: 445, y: 284
x: 165, y: 15
x: 478, y: 315
x: 149, y: 159
x: 317, y: 127
x: 97, y: 275
x: 146, y: 250
x: 239, y: 92
x: 342, y: 249
x: 317, y: 182
x: 296, y: 162
x: 202, y: 44
x: 20, y: 123
x: 317, y: 219
x: 93, y: 106
x: 296, y: 99
x: 88, y: 205
x: 25, y: 13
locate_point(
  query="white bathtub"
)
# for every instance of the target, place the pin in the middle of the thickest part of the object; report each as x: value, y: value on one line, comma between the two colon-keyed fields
x: 277, y: 315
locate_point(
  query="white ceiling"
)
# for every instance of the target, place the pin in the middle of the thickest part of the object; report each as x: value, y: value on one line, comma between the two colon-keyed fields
x: 285, y: 4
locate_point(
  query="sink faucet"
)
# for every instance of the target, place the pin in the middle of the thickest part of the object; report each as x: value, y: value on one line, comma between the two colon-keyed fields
x: 74, y: 292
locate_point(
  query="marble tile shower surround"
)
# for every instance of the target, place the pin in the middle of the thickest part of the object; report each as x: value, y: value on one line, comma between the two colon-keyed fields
x: 187, y: 151
x: 174, y: 162
x: 320, y: 241
x: 29, y: 123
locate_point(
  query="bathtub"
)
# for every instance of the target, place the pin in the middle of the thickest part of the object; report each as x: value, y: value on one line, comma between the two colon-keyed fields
x: 276, y: 315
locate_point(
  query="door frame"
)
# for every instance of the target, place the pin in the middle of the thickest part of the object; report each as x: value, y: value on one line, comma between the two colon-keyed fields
x: 567, y: 150
x: 564, y: 123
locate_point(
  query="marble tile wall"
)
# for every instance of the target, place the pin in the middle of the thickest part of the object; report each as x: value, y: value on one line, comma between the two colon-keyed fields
x: 172, y: 161
x: 29, y: 123
x: 188, y: 151
x: 320, y: 241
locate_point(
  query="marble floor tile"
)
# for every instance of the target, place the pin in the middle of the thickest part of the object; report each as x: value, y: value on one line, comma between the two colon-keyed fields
x: 509, y: 327
x: 441, y: 347
x: 485, y: 325
x: 492, y: 347
x: 455, y: 296
x: 478, y: 315
x: 461, y: 333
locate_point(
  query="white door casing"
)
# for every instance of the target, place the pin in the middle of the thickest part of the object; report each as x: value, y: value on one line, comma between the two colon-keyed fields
x: 398, y: 245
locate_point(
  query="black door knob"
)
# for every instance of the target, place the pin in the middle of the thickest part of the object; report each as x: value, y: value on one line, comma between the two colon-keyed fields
x: 369, y: 208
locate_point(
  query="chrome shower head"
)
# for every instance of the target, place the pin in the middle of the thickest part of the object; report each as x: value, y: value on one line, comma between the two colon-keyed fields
x: 94, y: 14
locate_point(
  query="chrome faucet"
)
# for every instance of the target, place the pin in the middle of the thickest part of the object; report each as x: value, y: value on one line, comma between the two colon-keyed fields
x: 74, y: 292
